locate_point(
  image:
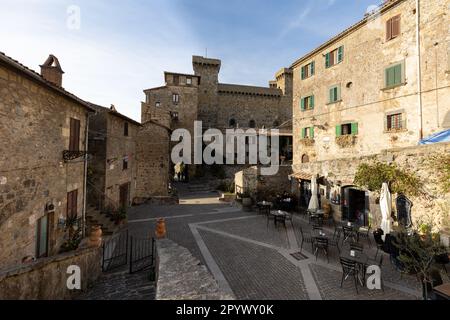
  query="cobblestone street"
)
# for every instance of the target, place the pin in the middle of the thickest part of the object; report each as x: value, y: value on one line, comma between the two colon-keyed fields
x: 254, y: 259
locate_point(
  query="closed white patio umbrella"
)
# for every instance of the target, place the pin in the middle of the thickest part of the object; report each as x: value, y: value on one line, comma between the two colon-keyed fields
x: 314, y: 202
x: 386, y: 207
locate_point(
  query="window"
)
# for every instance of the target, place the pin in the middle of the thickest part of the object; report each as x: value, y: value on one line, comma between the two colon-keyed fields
x: 394, y: 122
x: 308, y: 133
x: 305, y: 158
x: 394, y: 75
x: 158, y: 104
x: 125, y: 129
x: 232, y: 123
x: 334, y: 94
x: 72, y: 201
x: 74, y: 139
x: 334, y: 57
x: 188, y: 81
x: 176, y: 98
x: 347, y: 129
x: 176, y: 80
x: 252, y: 124
x: 308, y: 70
x: 125, y: 163
x: 42, y: 237
x: 393, y: 28
x: 307, y: 103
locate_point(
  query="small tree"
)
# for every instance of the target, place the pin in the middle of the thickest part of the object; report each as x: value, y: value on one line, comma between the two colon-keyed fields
x: 418, y: 250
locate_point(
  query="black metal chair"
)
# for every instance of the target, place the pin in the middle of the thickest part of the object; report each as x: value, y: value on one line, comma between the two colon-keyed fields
x: 289, y: 217
x: 316, y: 220
x: 349, y: 269
x: 349, y: 234
x: 356, y: 247
x: 306, y: 238
x: 335, y: 242
x: 321, y: 244
x: 364, y: 232
x: 337, y: 229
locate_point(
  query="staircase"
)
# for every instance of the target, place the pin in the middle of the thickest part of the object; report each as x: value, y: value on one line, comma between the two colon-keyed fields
x: 95, y: 218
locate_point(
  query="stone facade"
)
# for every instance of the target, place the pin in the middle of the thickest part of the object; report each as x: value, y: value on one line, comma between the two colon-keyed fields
x: 186, y: 98
x: 47, y: 279
x: 113, y: 166
x: 338, y: 174
x: 152, y: 157
x: 35, y: 122
x: 363, y: 97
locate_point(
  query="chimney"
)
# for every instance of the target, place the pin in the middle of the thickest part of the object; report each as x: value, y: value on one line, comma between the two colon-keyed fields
x: 51, y: 71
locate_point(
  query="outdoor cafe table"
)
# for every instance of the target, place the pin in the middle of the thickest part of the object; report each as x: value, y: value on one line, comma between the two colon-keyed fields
x: 360, y: 258
x: 264, y: 206
x: 443, y: 291
x: 279, y: 216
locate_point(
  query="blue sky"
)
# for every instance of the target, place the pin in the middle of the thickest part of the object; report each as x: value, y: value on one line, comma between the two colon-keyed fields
x: 123, y: 47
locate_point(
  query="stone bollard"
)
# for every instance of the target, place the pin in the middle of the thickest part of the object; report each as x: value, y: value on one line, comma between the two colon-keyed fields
x: 160, y: 228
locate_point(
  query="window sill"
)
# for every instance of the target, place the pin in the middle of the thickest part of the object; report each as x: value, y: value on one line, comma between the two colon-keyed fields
x: 393, y: 87
x: 337, y: 101
x: 396, y: 130
x: 334, y: 65
x: 307, y: 78
x: 305, y: 110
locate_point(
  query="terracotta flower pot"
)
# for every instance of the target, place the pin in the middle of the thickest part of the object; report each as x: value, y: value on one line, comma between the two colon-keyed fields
x: 160, y: 228
x: 95, y: 237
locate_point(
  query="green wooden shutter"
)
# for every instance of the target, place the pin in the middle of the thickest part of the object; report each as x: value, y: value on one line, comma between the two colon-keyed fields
x: 390, y: 77
x: 338, y: 93
x: 302, y: 104
x: 355, y: 128
x: 312, y: 102
x: 327, y: 60
x: 340, y: 54
x: 397, y: 74
x: 313, y: 68
x: 303, y: 73
x: 311, y: 132
x: 338, y: 131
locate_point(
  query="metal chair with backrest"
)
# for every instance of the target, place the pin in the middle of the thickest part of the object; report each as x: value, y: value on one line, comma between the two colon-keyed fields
x: 349, y: 268
x: 321, y: 244
x: 364, y: 232
x: 349, y: 234
x: 289, y: 217
x: 306, y: 238
x: 356, y: 246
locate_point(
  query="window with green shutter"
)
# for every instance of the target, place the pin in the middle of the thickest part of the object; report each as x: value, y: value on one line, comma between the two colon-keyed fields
x: 354, y: 128
x: 308, y: 70
x: 334, y: 94
x: 307, y: 103
x: 303, y: 73
x: 338, y: 131
x: 313, y: 68
x: 347, y: 129
x: 340, y: 57
x: 327, y: 60
x: 334, y: 57
x: 311, y: 132
x: 394, y: 75
x: 302, y: 104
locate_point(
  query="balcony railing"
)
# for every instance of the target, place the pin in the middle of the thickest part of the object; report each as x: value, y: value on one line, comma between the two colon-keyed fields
x: 73, y: 155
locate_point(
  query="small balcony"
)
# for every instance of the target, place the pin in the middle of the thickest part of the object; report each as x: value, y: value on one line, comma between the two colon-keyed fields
x: 73, y: 155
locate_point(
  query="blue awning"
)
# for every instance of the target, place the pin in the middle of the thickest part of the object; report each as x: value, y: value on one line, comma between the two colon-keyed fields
x: 443, y: 136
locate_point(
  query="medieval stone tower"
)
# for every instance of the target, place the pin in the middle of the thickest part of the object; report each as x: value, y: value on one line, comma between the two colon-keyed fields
x: 208, y: 104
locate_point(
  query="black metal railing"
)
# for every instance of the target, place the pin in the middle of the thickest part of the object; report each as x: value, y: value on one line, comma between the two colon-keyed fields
x: 115, y: 251
x: 72, y: 155
x: 142, y: 255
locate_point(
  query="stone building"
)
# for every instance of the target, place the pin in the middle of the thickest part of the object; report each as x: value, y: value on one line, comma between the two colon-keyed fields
x: 186, y: 98
x: 382, y: 84
x: 112, y: 165
x: 42, y: 160
x: 153, y: 161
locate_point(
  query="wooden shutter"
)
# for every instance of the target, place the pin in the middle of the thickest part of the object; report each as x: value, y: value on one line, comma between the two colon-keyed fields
x: 340, y: 54
x: 389, y: 29
x: 303, y: 73
x: 395, y: 26
x: 338, y: 131
x: 311, y: 132
x: 311, y: 102
x: 331, y: 95
x: 390, y: 77
x: 302, y: 104
x: 72, y: 203
x: 338, y: 93
x: 397, y: 70
x: 74, y: 139
x: 313, y: 68
x: 327, y: 60
x: 355, y: 128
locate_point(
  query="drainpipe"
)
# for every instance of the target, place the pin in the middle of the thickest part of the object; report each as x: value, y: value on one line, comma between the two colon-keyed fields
x: 419, y: 70
x: 86, y: 141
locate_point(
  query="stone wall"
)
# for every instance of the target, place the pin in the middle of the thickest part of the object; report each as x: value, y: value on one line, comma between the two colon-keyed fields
x: 153, y: 161
x: 341, y: 172
x: 361, y: 78
x: 46, y: 279
x: 35, y: 129
x: 180, y: 276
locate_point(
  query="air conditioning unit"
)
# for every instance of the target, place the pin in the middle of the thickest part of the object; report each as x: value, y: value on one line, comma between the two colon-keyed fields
x: 49, y: 208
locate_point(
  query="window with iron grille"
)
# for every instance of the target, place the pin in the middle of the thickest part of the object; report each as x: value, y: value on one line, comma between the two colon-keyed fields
x: 394, y: 122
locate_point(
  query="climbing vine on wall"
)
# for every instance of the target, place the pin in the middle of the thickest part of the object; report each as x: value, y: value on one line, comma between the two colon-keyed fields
x: 372, y: 176
x: 441, y: 165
